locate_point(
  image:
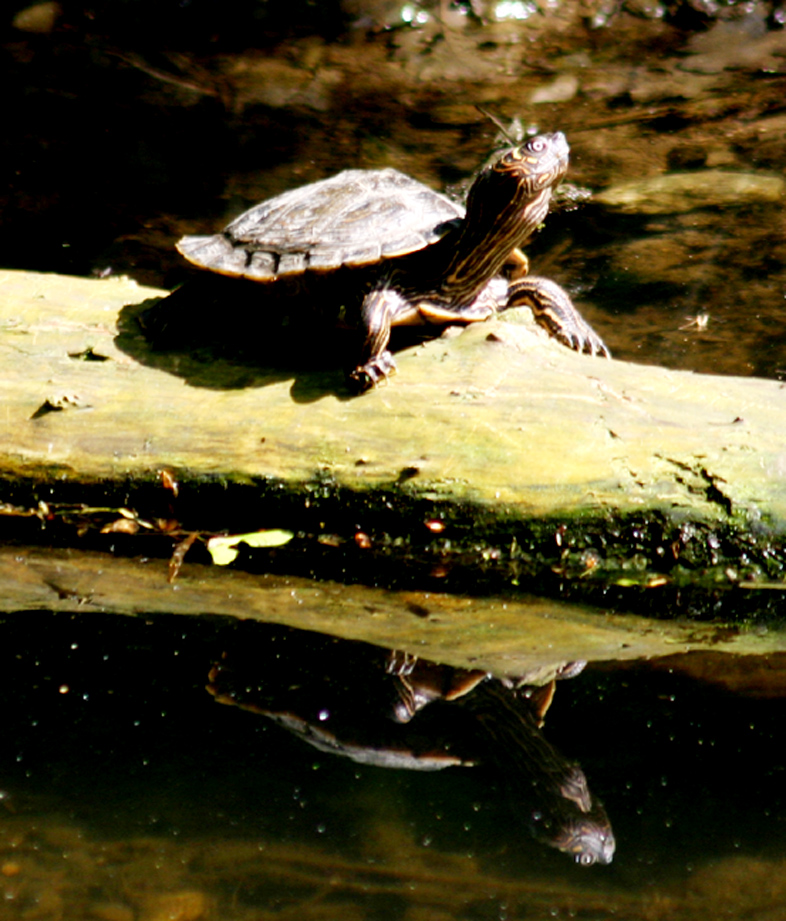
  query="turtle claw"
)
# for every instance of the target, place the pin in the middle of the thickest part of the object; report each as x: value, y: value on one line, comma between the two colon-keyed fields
x: 365, y: 377
x: 595, y: 345
x: 556, y: 313
x: 581, y: 338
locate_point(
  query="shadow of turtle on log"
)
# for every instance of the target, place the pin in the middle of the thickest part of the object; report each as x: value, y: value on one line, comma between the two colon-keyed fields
x: 224, y: 334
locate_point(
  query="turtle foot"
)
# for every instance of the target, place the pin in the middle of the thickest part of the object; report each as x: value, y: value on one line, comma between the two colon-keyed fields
x: 580, y: 337
x: 556, y: 313
x: 367, y: 376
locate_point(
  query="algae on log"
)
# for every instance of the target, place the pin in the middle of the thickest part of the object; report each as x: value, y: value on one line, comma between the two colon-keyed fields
x: 498, y: 446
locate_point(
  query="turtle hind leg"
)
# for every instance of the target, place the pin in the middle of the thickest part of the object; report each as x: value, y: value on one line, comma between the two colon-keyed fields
x: 556, y: 313
x: 379, y: 309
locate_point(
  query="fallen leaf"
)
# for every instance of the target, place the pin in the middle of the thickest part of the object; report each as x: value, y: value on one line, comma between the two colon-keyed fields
x: 224, y: 550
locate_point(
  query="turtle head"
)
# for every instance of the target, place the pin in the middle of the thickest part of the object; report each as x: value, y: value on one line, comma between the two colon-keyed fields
x: 510, y: 198
x: 538, y: 164
x: 507, y: 202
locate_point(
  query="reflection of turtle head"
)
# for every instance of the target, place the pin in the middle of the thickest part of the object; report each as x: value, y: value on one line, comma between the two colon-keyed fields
x: 574, y: 822
x: 588, y: 838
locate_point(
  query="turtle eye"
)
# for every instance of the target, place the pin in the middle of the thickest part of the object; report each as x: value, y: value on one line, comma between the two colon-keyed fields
x: 536, y: 145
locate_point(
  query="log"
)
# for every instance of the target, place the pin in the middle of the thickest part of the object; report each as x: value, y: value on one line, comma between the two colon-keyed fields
x: 496, y: 450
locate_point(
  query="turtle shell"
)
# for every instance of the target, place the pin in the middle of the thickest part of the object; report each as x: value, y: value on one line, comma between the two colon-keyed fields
x: 356, y: 218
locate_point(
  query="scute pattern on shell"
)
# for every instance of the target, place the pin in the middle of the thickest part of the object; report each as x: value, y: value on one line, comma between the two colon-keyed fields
x: 355, y: 218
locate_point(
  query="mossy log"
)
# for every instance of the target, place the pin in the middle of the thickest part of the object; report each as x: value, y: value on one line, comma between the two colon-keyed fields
x: 499, y: 447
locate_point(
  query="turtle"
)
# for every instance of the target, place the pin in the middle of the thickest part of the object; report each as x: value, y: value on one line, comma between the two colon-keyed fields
x: 361, y: 702
x: 416, y: 257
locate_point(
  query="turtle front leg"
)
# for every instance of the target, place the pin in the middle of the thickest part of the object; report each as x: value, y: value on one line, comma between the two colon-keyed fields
x: 379, y: 308
x: 556, y: 313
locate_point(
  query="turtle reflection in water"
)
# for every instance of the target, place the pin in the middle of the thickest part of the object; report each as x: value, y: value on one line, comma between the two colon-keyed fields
x: 364, y: 703
x: 400, y: 253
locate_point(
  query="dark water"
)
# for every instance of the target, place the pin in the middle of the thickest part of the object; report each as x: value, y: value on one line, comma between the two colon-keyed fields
x: 129, y: 791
